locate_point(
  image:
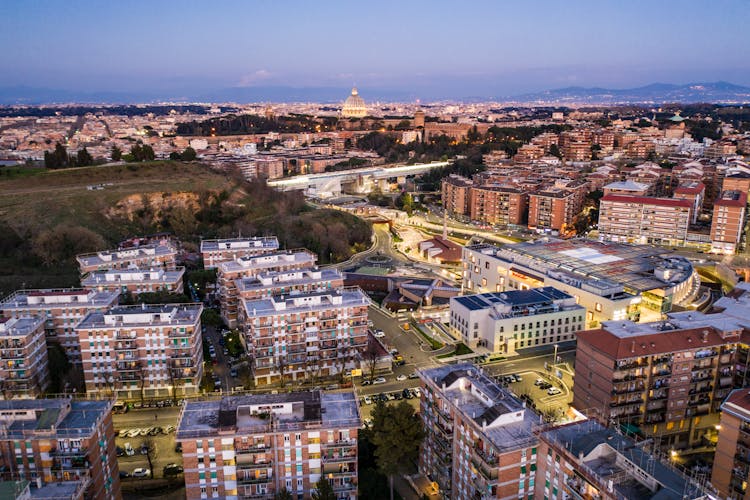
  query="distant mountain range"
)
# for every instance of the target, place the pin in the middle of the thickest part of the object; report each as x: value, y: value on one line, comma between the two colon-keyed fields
x: 713, y: 92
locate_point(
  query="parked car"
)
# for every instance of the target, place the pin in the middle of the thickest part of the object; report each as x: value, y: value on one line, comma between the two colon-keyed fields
x: 173, y: 469
x: 134, y: 433
x: 124, y: 475
x: 144, y: 449
x: 368, y: 400
x: 154, y: 431
x: 398, y: 396
x: 129, y: 451
x: 367, y: 422
x: 168, y: 429
x: 120, y: 451
x: 391, y: 396
x: 366, y: 382
x: 233, y: 372
x: 516, y: 377
x: 553, y: 391
x: 379, y: 380
x: 143, y: 432
x: 178, y: 448
x: 539, y: 381
x: 401, y: 378
x: 417, y: 393
x: 123, y: 433
x: 407, y: 393
x: 379, y: 334
x: 413, y: 375
x: 141, y: 472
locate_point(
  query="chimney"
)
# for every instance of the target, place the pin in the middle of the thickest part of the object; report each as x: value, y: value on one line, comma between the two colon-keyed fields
x: 632, y: 347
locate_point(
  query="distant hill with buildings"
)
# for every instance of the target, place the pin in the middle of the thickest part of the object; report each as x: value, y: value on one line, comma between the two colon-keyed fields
x: 714, y: 92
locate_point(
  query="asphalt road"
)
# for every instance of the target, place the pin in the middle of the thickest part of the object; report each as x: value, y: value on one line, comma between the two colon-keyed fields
x: 165, y: 444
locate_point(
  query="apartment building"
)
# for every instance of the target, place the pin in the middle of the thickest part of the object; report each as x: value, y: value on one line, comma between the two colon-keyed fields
x: 305, y: 335
x: 254, y: 446
x: 587, y: 460
x: 144, y: 350
x: 61, y: 446
x: 505, y: 321
x: 456, y: 195
x: 479, y: 438
x: 297, y: 281
x: 554, y: 208
x: 643, y: 220
x: 611, y: 281
x: 498, y: 205
x: 667, y: 379
x: 628, y: 188
x: 135, y: 281
x: 24, y: 370
x: 246, y: 267
x: 222, y: 250
x: 728, y: 222
x: 695, y: 193
x: 162, y: 254
x: 732, y: 457
x: 62, y: 310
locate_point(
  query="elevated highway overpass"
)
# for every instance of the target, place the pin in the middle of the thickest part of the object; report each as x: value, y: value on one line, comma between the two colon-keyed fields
x: 329, y: 184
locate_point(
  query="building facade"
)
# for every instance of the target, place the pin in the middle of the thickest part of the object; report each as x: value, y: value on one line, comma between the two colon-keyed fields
x: 586, y: 460
x: 143, y: 351
x: 61, y: 442
x: 24, y: 369
x: 247, y: 267
x: 505, y: 321
x: 732, y: 457
x: 728, y: 222
x: 305, y: 335
x: 479, y: 438
x: 555, y: 208
x: 62, y: 310
x: 498, y: 205
x: 261, y: 444
x: 222, y: 250
x: 135, y: 281
x: 456, y: 193
x: 644, y: 220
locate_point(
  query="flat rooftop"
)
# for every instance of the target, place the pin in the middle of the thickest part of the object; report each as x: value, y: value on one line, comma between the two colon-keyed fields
x: 260, y: 243
x: 63, y: 417
x: 515, y: 298
x: 610, y: 456
x: 508, y: 423
x: 134, y: 275
x: 308, y: 301
x: 19, y: 327
x: 107, y: 257
x: 270, y: 260
x: 66, y: 297
x: 297, y: 277
x: 250, y: 413
x: 144, y: 315
x: 583, y: 262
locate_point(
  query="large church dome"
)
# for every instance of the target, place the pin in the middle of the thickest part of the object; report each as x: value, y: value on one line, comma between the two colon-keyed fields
x: 354, y: 106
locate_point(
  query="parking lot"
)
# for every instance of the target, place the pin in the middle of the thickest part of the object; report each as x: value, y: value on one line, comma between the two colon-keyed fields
x: 135, y: 426
x: 367, y: 403
x: 542, y: 390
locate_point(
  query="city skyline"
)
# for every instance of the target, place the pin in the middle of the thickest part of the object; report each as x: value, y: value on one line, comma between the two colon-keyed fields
x: 420, y: 50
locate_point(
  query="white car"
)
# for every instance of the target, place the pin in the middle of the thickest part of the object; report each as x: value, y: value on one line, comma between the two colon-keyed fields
x: 401, y: 378
x: 379, y: 380
x: 379, y: 334
x: 368, y: 400
x: 368, y: 422
x: 133, y: 433
x: 141, y: 472
x: 553, y: 391
x: 417, y: 393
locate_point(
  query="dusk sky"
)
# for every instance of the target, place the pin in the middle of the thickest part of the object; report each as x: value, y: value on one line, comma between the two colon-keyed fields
x: 426, y: 48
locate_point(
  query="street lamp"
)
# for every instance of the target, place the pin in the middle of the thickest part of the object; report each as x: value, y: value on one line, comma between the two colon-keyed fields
x: 554, y: 358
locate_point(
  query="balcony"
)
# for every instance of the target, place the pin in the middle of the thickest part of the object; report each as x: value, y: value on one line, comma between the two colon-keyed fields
x: 249, y: 479
x: 489, y: 473
x: 338, y: 457
x: 252, y: 465
x: 488, y: 459
x: 252, y: 448
x: 700, y: 378
x: 341, y: 443
x: 615, y: 404
x: 701, y: 390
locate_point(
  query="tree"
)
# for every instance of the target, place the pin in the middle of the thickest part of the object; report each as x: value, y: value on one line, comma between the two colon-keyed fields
x: 57, y: 158
x: 189, y: 154
x: 370, y: 358
x: 554, y: 150
x: 283, y: 494
x: 116, y: 153
x: 151, y: 451
x: 397, y: 432
x: 84, y: 158
x: 323, y: 490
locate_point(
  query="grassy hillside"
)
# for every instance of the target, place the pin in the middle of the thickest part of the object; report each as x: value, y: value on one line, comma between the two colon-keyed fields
x: 46, y: 218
